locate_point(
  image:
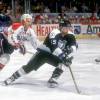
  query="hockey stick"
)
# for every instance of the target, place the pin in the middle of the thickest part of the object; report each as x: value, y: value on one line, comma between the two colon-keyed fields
x: 77, y: 89
x: 30, y: 52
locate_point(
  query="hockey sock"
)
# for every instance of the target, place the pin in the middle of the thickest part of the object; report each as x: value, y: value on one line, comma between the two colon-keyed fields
x: 53, y: 80
x: 19, y: 73
x: 15, y: 76
x: 56, y: 73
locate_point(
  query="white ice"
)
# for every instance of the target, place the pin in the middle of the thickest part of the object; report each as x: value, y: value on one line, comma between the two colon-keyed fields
x: 34, y: 85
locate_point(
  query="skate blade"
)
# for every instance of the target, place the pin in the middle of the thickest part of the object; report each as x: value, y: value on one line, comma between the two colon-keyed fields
x: 52, y: 85
x: 2, y: 83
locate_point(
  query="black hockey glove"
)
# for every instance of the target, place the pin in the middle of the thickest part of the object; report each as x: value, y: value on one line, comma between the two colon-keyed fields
x: 22, y: 49
x: 67, y: 60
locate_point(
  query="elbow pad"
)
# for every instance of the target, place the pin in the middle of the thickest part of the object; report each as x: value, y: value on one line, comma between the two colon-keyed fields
x: 72, y: 51
x: 57, y: 52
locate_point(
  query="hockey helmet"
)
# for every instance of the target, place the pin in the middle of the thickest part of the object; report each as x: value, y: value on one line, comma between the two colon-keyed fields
x: 26, y: 18
x: 65, y: 26
x: 65, y: 23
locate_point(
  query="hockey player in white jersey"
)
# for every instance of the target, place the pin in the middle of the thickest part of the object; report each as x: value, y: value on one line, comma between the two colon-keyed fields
x: 18, y: 35
x: 57, y: 49
x: 24, y: 33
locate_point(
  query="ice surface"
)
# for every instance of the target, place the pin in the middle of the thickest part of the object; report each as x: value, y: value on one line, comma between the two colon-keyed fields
x: 34, y: 85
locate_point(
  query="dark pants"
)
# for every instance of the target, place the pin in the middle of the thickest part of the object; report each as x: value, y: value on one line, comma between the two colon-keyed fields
x: 39, y: 59
x: 5, y: 46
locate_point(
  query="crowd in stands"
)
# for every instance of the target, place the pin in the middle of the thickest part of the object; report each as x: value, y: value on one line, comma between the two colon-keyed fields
x: 52, y: 11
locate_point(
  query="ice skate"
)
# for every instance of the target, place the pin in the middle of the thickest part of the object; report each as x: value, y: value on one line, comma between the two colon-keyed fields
x: 8, y: 81
x: 52, y: 83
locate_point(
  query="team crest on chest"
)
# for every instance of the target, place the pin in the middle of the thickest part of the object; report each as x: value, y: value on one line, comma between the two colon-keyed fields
x: 62, y: 44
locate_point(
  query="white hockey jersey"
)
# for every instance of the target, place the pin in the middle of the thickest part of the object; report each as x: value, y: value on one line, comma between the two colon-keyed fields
x: 26, y: 37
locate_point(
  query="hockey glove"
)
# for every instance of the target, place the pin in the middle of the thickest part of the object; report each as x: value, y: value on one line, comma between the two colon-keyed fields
x: 63, y: 56
x: 16, y: 45
x: 22, y: 49
x: 66, y: 59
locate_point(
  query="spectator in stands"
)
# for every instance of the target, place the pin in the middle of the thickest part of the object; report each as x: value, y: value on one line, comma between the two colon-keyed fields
x: 93, y: 17
x: 84, y: 8
x: 98, y: 12
x: 46, y: 10
x: 8, y: 11
x: 38, y: 19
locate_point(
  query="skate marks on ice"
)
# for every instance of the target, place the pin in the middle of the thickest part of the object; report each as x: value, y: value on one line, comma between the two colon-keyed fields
x: 37, y: 85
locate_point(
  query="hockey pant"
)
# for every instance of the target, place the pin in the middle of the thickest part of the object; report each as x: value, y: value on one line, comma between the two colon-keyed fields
x: 5, y: 46
x: 35, y: 63
x: 57, y: 72
x: 39, y: 59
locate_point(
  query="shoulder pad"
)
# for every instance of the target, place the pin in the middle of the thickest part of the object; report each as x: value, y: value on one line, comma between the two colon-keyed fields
x: 15, y: 26
x: 69, y: 32
x: 54, y: 33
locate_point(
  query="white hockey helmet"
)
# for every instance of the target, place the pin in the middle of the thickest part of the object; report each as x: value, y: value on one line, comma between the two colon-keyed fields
x: 26, y: 18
